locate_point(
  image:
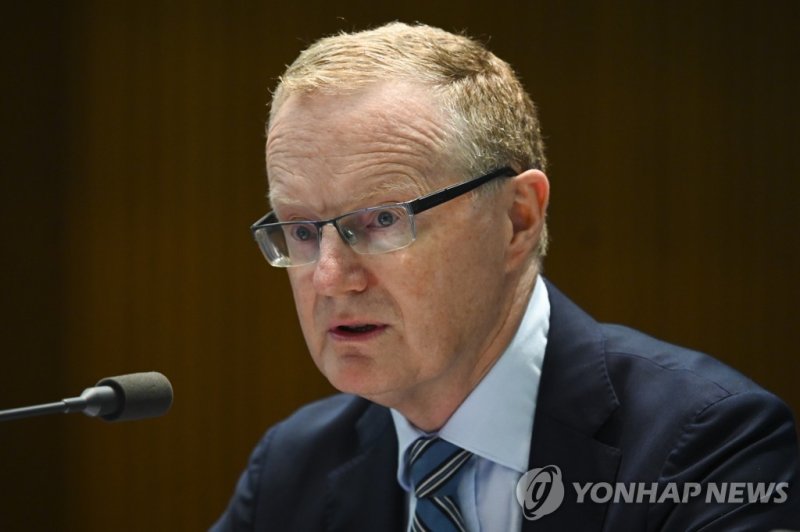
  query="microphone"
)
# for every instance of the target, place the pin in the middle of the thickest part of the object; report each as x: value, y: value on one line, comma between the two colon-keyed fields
x: 122, y: 398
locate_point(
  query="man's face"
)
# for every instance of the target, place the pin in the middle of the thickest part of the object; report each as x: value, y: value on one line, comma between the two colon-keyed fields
x: 413, y: 325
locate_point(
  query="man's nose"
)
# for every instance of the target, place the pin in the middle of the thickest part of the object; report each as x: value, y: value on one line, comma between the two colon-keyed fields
x: 338, y: 269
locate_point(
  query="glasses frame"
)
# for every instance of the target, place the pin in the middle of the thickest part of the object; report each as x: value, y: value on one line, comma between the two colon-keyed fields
x: 413, y: 207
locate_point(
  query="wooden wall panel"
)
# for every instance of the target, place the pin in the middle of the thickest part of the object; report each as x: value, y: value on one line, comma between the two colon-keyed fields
x: 165, y: 274
x: 33, y: 128
x: 135, y: 166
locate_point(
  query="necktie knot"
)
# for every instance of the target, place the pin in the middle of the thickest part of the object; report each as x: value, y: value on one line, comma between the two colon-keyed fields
x: 434, y: 467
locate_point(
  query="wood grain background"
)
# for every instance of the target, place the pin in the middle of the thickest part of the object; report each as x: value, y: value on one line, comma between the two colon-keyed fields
x: 132, y: 166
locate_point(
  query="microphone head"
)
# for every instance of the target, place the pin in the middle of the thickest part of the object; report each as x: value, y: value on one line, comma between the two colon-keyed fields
x: 139, y: 395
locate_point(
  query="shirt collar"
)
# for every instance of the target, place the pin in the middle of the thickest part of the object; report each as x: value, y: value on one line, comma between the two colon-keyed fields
x: 504, y: 401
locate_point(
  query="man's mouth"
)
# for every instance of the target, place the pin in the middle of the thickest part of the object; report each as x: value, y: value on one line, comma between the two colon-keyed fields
x: 357, y: 330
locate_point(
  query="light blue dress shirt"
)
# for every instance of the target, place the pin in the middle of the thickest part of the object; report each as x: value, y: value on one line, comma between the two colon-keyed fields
x: 495, y: 423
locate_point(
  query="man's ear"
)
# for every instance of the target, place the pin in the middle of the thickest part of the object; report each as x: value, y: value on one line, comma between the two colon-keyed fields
x: 527, y: 212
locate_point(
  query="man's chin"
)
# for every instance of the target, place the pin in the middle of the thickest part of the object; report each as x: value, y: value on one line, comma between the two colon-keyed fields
x: 366, y: 383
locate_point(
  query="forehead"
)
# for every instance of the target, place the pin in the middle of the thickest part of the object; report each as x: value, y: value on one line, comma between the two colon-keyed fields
x: 327, y: 152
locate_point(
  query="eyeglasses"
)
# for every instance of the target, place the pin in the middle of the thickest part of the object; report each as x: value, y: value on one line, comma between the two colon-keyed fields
x: 368, y: 231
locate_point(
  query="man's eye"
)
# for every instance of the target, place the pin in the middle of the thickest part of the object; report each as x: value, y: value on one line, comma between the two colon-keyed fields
x: 385, y: 218
x: 302, y: 233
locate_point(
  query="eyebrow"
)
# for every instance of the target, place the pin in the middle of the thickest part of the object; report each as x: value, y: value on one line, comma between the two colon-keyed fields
x: 358, y: 198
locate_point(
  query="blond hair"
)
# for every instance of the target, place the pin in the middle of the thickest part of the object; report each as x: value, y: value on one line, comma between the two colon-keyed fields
x: 493, y: 121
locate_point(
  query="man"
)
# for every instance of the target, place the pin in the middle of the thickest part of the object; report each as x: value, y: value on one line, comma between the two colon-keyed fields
x: 406, y: 174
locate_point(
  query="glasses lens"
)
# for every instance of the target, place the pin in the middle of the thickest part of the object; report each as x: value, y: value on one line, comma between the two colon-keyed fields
x: 368, y: 231
x: 378, y: 229
x: 290, y: 244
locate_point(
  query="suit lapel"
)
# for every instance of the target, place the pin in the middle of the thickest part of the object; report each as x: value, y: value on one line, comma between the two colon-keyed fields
x: 575, y: 399
x: 581, y: 459
x: 363, y: 494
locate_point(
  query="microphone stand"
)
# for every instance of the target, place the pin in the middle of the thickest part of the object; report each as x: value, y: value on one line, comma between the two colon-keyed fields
x: 91, y: 402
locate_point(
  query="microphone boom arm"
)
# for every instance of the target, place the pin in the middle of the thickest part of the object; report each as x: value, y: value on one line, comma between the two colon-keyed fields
x: 96, y: 401
x: 134, y: 396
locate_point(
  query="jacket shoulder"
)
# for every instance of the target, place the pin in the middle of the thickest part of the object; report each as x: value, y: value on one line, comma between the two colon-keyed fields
x: 668, y: 393
x: 285, y: 483
x: 686, y: 417
x: 318, y: 438
x: 631, y: 353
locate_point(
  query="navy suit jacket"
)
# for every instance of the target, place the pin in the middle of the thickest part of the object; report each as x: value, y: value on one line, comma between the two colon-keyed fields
x: 614, y: 406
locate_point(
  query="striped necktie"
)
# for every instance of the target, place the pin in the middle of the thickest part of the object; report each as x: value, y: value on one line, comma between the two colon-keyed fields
x: 434, y: 466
